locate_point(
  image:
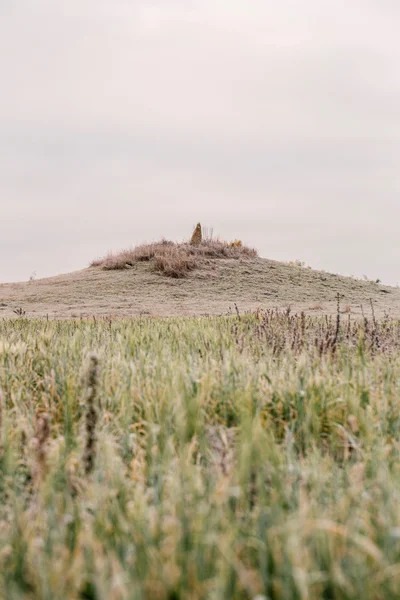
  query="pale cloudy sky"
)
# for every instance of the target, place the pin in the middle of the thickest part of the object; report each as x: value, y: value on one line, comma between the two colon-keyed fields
x: 273, y: 121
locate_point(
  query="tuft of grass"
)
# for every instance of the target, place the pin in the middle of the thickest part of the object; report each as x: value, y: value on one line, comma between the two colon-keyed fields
x: 174, y: 263
x: 176, y: 260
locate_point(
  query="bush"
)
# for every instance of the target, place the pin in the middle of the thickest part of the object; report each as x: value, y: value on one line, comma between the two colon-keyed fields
x: 174, y: 263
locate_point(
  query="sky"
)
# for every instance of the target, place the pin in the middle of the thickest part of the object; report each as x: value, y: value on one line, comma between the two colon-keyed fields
x: 277, y: 123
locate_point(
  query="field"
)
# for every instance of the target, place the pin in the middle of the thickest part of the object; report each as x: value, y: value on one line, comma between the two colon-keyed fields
x: 247, y: 456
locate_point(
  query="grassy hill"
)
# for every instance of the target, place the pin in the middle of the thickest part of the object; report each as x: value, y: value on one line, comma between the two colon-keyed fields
x: 210, y: 284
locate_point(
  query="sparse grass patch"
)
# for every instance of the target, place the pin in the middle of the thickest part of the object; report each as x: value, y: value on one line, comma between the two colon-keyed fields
x: 316, y: 306
x: 176, y: 260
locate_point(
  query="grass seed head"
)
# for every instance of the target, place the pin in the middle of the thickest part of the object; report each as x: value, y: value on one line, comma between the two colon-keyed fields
x: 91, y: 413
x: 40, y: 442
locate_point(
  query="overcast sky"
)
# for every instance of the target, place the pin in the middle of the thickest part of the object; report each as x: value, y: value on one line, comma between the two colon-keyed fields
x: 277, y: 122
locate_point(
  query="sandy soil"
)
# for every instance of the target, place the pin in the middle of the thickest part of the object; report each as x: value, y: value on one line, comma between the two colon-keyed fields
x: 251, y: 284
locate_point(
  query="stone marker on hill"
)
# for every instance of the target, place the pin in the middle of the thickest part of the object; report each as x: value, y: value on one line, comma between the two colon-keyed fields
x: 197, y: 236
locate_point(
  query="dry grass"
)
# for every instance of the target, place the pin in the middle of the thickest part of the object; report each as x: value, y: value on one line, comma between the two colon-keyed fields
x: 173, y: 259
x: 316, y: 306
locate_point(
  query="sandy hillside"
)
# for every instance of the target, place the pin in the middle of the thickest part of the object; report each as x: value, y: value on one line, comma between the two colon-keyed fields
x: 251, y: 283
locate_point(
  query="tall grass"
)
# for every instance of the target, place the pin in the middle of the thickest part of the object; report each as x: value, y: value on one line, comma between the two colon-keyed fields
x: 233, y: 458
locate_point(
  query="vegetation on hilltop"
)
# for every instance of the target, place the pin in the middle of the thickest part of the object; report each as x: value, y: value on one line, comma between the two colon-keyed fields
x: 176, y: 259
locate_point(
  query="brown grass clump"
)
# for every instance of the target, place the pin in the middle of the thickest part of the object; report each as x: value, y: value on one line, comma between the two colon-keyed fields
x: 174, y: 263
x: 176, y: 260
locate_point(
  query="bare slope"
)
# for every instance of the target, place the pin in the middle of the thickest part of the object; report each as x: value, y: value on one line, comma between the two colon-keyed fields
x: 251, y: 283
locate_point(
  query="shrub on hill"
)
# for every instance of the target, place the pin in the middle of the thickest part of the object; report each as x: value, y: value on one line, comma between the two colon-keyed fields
x: 173, y: 259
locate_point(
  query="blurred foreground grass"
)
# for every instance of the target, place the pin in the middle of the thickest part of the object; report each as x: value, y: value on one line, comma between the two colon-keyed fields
x: 233, y: 457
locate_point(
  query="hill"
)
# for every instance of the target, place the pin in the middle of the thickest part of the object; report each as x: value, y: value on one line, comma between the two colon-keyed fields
x: 212, y: 289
